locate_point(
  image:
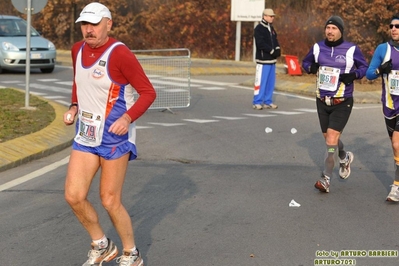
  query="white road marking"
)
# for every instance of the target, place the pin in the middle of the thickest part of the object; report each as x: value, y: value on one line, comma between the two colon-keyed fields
x: 165, y: 82
x: 38, y: 93
x: 367, y: 107
x: 276, y: 92
x: 200, y: 121
x: 174, y: 90
x: 68, y: 83
x: 167, y: 124
x: 285, y: 112
x: 259, y: 115
x: 229, y: 117
x: 55, y: 97
x: 307, y: 110
x: 212, y: 88
x: 213, y: 82
x: 63, y: 102
x: 34, y: 174
x: 10, y: 81
x: 49, y: 88
x: 48, y: 80
x: 295, y: 96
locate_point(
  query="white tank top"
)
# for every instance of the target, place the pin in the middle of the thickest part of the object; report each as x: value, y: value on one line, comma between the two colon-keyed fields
x: 101, y: 102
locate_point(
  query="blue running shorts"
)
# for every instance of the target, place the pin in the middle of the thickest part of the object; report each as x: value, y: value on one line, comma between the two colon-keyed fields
x: 109, y: 153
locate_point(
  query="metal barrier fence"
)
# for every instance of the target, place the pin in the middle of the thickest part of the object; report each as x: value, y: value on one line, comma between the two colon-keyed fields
x: 169, y: 73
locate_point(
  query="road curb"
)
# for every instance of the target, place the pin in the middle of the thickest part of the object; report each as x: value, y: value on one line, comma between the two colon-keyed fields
x: 55, y: 137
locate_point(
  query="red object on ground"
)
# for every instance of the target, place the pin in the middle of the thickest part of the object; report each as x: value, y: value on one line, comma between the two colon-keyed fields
x: 294, y: 68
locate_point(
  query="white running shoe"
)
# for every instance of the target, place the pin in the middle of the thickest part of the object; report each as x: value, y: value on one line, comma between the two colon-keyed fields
x: 394, y: 194
x: 97, y: 256
x: 323, y: 184
x: 130, y: 259
x: 345, y: 165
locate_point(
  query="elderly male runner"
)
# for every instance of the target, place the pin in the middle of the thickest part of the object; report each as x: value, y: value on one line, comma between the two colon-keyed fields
x: 106, y: 73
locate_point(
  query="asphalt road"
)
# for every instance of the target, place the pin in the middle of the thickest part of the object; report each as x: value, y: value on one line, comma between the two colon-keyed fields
x: 211, y: 187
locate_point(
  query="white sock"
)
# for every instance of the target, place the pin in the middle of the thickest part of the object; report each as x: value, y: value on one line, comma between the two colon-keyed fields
x: 102, y: 242
x: 132, y: 251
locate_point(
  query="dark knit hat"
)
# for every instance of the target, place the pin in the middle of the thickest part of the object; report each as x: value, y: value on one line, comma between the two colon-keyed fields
x: 395, y: 16
x: 337, y: 21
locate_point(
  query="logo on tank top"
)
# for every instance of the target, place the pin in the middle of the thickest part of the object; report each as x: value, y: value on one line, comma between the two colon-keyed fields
x: 340, y: 59
x: 98, y: 73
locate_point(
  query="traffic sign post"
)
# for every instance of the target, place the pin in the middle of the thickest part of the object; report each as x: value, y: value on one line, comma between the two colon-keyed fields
x: 30, y: 7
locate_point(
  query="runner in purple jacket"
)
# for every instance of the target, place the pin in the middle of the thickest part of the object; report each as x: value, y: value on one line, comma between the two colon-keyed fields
x: 385, y: 64
x: 337, y: 64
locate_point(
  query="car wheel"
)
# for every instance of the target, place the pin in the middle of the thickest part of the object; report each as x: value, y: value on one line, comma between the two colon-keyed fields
x: 47, y: 70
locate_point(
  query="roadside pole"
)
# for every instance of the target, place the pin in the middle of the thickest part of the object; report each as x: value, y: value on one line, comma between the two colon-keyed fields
x: 30, y: 8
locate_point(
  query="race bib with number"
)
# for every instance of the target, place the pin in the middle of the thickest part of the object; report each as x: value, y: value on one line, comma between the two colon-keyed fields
x: 89, y: 128
x: 393, y: 81
x: 328, y: 78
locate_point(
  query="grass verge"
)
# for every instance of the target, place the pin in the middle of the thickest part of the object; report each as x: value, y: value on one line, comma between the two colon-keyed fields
x: 16, y: 121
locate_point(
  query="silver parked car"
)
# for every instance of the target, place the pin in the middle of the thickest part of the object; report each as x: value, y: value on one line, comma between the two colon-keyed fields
x: 13, y: 47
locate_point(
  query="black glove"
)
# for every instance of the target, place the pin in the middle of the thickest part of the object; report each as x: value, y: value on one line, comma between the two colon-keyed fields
x: 347, y: 78
x: 276, y: 52
x: 385, y: 68
x: 314, y: 68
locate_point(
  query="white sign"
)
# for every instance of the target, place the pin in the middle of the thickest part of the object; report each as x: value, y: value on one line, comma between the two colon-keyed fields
x: 247, y: 10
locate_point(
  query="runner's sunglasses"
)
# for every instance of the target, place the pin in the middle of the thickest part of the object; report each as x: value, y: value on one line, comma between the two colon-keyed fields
x: 394, y: 25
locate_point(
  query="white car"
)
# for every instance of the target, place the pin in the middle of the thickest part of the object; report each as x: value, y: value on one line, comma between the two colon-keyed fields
x: 13, y: 47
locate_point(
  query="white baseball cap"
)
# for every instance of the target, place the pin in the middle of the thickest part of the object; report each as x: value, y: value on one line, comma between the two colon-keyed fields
x: 93, y: 13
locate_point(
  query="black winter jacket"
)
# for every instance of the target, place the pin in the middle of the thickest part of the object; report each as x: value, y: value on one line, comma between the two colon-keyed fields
x: 267, y: 46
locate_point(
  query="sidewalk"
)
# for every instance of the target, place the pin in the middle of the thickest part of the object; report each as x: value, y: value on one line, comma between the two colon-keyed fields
x: 57, y: 136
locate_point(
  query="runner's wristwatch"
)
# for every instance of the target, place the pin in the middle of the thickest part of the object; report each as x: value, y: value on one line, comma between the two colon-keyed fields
x: 72, y: 104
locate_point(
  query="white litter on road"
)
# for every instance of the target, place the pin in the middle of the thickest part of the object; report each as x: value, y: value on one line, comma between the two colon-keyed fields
x: 293, y: 130
x: 293, y: 203
x: 268, y: 130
